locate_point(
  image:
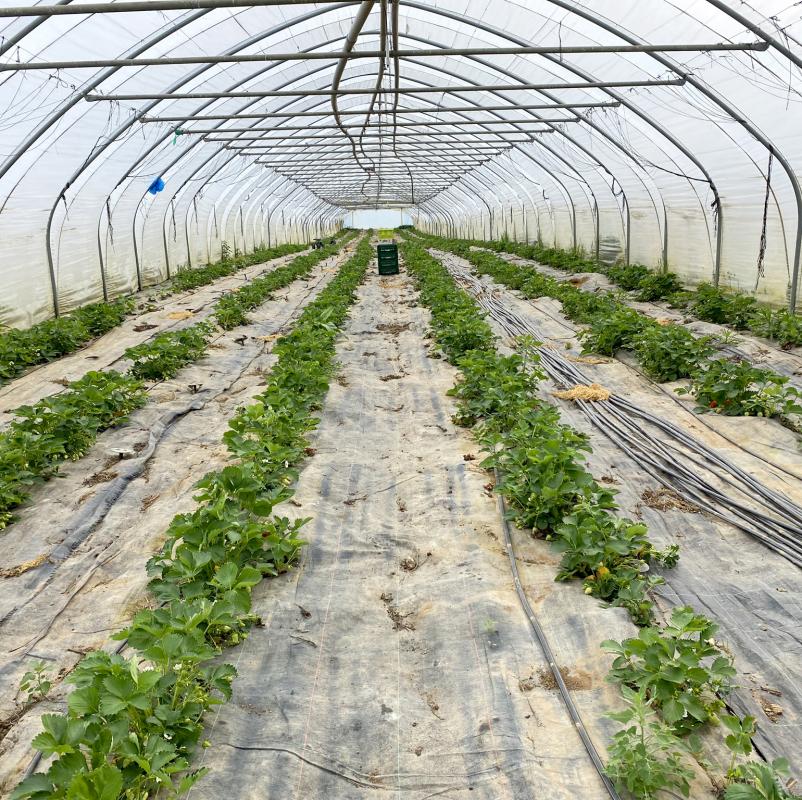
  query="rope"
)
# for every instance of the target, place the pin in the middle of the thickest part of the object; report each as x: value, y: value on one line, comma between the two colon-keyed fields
x: 763, y: 238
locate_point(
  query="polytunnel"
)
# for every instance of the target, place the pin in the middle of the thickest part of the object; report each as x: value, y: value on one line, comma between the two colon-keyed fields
x: 400, y: 398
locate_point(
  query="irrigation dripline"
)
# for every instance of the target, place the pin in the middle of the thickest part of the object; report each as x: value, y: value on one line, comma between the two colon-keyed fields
x: 677, y: 463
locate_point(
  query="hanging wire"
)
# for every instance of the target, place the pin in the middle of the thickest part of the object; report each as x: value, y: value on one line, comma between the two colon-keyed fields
x: 763, y: 237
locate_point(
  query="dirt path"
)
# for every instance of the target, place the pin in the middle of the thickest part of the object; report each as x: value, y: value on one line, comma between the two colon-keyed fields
x: 172, y: 313
x: 396, y: 660
x: 99, y: 523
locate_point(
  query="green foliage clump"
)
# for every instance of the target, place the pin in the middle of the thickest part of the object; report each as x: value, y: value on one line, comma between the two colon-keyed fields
x: 658, y: 286
x: 628, y: 277
x: 679, y: 668
x: 611, y: 555
x: 759, y: 781
x: 780, y: 325
x: 737, y: 389
x: 36, y: 683
x: 541, y: 464
x: 60, y: 428
x: 493, y: 388
x: 585, y: 307
x: 609, y: 333
x: 646, y: 757
x: 712, y: 304
x: 671, y: 352
x: 54, y: 338
x: 167, y: 353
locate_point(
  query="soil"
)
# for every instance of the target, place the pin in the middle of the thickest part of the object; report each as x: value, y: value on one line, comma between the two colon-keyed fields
x: 664, y: 499
x: 100, y: 477
x: 575, y: 679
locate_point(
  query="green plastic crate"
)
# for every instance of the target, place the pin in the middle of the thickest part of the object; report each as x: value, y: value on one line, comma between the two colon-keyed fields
x: 388, y: 258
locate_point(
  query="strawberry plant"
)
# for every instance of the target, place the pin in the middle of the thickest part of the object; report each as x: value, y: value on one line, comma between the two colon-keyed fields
x: 628, y: 277
x: 679, y: 668
x: 671, y: 352
x: 736, y: 389
x: 759, y: 781
x: 585, y: 307
x: 780, y: 325
x: 60, y: 428
x: 36, y: 683
x: 681, y: 300
x: 611, y: 555
x: 542, y: 472
x: 712, y: 304
x: 54, y: 338
x: 534, y: 285
x: 657, y: 286
x: 167, y: 353
x: 739, y: 737
x: 646, y: 757
x: 752, y: 780
x: 608, y: 334
x: 493, y: 388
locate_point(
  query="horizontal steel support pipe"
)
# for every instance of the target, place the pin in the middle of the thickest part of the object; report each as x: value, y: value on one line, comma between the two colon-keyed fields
x: 439, y: 138
x: 322, y: 142
x: 441, y: 172
x: 434, y: 179
x: 128, y: 6
x: 406, y: 149
x: 351, y: 161
x: 402, y: 90
x: 439, y: 177
x: 400, y: 111
x: 425, y: 161
x: 397, y: 190
x: 461, y: 125
x: 434, y: 166
x: 360, y: 54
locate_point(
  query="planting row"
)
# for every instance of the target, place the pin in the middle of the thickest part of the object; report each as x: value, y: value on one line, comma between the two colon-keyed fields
x: 132, y: 724
x: 188, y: 279
x: 707, y: 302
x: 672, y: 678
x: 666, y: 352
x: 54, y: 338
x: 64, y: 426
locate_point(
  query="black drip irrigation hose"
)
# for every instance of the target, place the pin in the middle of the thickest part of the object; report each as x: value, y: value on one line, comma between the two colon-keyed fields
x: 540, y: 635
x: 675, y: 463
